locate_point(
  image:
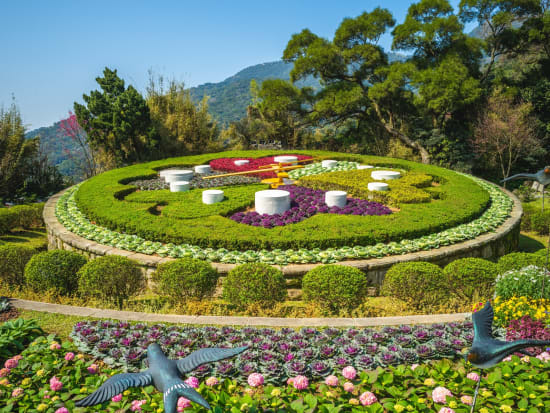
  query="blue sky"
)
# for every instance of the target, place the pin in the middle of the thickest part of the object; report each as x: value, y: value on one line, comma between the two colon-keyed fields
x: 53, y: 50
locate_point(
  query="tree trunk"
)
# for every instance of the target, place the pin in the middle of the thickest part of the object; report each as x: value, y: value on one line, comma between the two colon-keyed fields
x: 424, y: 155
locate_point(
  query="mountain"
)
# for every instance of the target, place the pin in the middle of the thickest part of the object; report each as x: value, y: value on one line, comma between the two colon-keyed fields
x: 229, y: 98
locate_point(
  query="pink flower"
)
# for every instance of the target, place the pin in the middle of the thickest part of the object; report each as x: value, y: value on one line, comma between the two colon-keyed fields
x: 367, y: 398
x: 192, y: 381
x: 183, y: 403
x: 92, y: 368
x: 414, y: 366
x: 545, y: 356
x: 4, y: 372
x: 11, y: 363
x: 446, y: 410
x: 349, y: 387
x: 255, y: 379
x: 55, y: 384
x: 349, y: 372
x: 473, y: 376
x: 440, y: 393
x: 469, y: 400
x: 289, y: 381
x: 69, y: 356
x: 136, y: 405
x: 17, y: 392
x: 117, y: 398
x: 508, y: 358
x: 300, y: 382
x: 331, y: 381
x: 62, y: 410
x: 55, y: 346
x: 18, y: 357
x: 212, y: 381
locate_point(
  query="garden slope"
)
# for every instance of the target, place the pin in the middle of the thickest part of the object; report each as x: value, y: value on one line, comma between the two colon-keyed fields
x: 102, y: 199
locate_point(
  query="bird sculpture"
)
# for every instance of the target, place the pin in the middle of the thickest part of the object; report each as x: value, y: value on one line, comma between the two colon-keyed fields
x: 164, y: 374
x: 487, y: 351
x: 542, y: 177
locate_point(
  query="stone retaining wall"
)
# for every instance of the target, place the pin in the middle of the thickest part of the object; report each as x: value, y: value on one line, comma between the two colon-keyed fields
x: 489, y: 246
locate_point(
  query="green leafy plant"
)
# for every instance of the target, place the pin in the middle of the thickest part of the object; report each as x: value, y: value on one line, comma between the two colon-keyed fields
x: 5, y: 305
x: 254, y: 283
x: 421, y: 284
x: 185, y: 278
x: 55, y: 270
x: 335, y: 286
x: 15, y: 335
x: 111, y: 278
x: 525, y: 282
x: 471, y: 277
x: 519, y: 260
x: 13, y: 259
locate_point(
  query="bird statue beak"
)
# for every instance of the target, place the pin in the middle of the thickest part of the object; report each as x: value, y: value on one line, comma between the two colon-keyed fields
x: 547, y: 170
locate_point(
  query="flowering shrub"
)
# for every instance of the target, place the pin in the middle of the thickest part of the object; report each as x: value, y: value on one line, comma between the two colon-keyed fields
x: 278, y: 355
x: 511, y: 386
x: 527, y: 328
x: 228, y: 164
x: 305, y: 203
x: 518, y: 307
x: 526, y: 282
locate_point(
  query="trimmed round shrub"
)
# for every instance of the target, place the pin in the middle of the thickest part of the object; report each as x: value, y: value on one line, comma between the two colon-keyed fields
x: 540, y: 222
x: 54, y: 270
x: 541, y: 252
x: 111, y: 278
x: 518, y: 260
x: 13, y: 259
x: 254, y: 283
x: 185, y: 278
x: 8, y: 220
x: 466, y: 276
x: 418, y: 283
x: 525, y: 282
x: 335, y: 286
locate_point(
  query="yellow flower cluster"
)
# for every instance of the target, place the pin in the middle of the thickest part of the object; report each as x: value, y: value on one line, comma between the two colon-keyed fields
x: 517, y: 307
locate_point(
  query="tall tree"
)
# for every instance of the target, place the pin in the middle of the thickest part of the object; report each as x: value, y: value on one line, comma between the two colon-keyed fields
x: 16, y: 153
x: 117, y: 121
x: 71, y: 128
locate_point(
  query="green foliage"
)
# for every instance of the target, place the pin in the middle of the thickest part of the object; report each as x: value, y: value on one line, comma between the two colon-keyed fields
x: 102, y: 199
x: 111, y: 278
x: 183, y: 127
x: 524, y: 282
x: 335, y: 286
x: 117, y: 120
x: 54, y: 270
x: 16, y: 335
x: 519, y: 260
x: 9, y: 220
x: 421, y: 284
x: 540, y: 222
x: 467, y: 277
x: 16, y: 152
x: 13, y: 259
x: 185, y: 278
x: 254, y: 283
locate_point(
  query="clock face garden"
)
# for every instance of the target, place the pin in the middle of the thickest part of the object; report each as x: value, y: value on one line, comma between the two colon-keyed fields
x: 426, y: 207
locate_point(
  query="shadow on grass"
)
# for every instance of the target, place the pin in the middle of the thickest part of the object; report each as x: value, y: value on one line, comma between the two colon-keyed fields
x: 528, y: 243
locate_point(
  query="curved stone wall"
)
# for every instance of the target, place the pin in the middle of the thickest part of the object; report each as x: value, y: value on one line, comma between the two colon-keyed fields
x: 489, y: 246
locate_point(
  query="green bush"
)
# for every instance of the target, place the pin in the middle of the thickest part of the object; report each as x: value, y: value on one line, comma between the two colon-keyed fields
x: 466, y: 276
x: 111, y: 278
x: 540, y: 222
x: 29, y: 216
x: 13, y: 258
x: 185, y: 278
x: 335, y: 286
x: 54, y: 270
x: 525, y: 282
x: 254, y: 283
x: 518, y: 260
x: 541, y: 252
x: 421, y: 284
x: 8, y: 220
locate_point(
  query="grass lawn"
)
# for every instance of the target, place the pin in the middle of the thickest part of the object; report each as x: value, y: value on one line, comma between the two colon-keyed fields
x: 531, y: 241
x: 35, y: 238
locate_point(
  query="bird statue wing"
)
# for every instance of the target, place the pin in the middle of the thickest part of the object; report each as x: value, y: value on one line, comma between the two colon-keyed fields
x: 206, y: 355
x: 483, y: 323
x: 116, y: 385
x: 519, y: 176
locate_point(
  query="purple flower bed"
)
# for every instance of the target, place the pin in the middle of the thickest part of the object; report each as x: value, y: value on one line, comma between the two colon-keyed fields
x: 306, y: 202
x: 277, y: 354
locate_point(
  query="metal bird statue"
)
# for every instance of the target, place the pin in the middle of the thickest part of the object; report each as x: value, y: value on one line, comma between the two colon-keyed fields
x: 164, y: 374
x: 542, y: 177
x: 487, y: 351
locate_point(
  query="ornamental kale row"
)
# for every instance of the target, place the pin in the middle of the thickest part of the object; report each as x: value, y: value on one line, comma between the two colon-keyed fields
x: 305, y: 203
x: 278, y: 354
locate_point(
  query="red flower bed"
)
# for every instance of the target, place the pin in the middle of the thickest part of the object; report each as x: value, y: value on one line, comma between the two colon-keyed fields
x: 227, y: 164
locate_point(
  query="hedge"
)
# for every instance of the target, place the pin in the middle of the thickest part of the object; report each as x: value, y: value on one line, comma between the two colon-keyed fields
x: 103, y: 200
x: 23, y: 216
x: 467, y: 277
x: 13, y: 259
x: 519, y: 260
